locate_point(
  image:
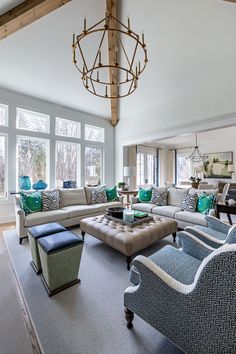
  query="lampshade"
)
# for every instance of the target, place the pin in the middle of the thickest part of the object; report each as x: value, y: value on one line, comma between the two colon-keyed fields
x: 129, y: 171
x: 231, y: 168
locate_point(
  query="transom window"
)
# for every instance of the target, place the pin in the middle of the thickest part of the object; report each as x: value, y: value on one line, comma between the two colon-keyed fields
x: 93, y: 166
x: 32, y: 158
x: 3, y: 115
x: 3, y: 172
x: 93, y: 133
x: 69, y: 128
x: 32, y: 121
x: 67, y: 162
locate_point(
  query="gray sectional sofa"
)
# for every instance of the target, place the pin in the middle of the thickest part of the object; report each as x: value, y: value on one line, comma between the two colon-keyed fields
x: 173, y: 209
x: 75, y: 205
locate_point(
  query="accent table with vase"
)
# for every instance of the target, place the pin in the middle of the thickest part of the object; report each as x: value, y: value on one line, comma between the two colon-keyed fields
x: 127, y: 194
x: 227, y: 209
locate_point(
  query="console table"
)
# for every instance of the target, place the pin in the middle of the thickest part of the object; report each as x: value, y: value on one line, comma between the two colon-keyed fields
x: 227, y: 209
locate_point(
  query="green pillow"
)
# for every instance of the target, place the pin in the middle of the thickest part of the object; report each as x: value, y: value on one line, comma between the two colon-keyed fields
x: 145, y: 195
x: 205, y: 203
x: 111, y: 194
x: 31, y: 202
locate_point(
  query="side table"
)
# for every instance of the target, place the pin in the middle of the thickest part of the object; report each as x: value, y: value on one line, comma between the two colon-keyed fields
x: 127, y: 194
x: 227, y: 209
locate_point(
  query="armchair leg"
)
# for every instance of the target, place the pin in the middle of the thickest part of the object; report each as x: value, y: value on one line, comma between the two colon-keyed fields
x: 129, y: 316
x: 82, y: 234
x: 174, y: 236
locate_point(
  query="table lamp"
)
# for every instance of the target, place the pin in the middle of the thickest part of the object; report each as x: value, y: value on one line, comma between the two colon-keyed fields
x: 129, y: 171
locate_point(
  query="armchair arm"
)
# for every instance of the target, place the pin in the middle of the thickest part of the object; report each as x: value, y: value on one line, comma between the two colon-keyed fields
x: 147, y: 269
x: 20, y: 220
x: 216, y: 224
x: 193, y: 246
x: 204, y: 237
x: 134, y: 200
x: 231, y: 237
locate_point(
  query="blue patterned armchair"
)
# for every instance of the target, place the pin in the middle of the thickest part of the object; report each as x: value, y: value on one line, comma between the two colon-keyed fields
x: 189, y: 300
x: 215, y: 234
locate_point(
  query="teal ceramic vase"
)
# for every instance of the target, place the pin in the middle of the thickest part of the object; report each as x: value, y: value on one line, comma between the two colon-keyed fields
x: 24, y: 183
x: 40, y: 185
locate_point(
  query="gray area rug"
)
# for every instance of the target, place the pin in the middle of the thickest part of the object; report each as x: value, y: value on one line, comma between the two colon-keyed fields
x: 88, y: 317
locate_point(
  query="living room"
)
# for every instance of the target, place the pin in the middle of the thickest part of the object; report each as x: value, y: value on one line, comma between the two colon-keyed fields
x: 118, y: 190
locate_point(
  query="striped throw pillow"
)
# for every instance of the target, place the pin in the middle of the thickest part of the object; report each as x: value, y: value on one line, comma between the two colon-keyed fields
x: 190, y: 203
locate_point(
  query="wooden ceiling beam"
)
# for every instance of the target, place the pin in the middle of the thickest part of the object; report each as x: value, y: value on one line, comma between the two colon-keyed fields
x: 111, y: 5
x: 25, y: 13
x: 234, y: 1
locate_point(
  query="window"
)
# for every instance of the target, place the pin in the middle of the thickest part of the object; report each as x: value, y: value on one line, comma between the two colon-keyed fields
x: 3, y: 166
x: 94, y: 133
x: 146, y: 165
x: 68, y: 128
x: 3, y: 115
x: 184, y: 166
x: 33, y: 121
x: 67, y: 158
x: 33, y: 158
x: 93, y: 166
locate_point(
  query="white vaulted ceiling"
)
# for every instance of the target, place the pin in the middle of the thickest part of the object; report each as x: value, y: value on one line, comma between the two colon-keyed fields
x: 191, y: 50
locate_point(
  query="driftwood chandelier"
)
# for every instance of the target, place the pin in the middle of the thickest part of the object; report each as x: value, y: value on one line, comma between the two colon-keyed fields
x: 109, y: 76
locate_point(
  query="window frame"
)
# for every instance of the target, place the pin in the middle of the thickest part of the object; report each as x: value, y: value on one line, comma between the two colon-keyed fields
x: 6, y: 193
x: 47, y: 140
x: 103, y: 161
x: 145, y: 167
x: 78, y: 179
x: 7, y: 116
x: 66, y: 136
x: 96, y: 127
x: 35, y: 113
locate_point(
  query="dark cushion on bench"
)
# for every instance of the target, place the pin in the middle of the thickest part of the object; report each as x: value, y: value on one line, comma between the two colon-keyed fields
x: 59, y: 241
x: 45, y: 230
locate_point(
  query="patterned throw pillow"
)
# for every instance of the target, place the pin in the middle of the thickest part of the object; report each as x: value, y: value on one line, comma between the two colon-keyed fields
x: 205, y: 203
x: 31, y: 202
x: 145, y: 195
x: 112, y: 194
x: 99, y: 195
x: 159, y: 196
x: 50, y: 200
x: 190, y: 203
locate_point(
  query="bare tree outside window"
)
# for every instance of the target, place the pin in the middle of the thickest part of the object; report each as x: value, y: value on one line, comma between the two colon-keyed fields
x: 32, y: 157
x: 3, y: 115
x: 32, y: 121
x: 93, y: 165
x: 2, y: 166
x: 68, y: 128
x: 66, y: 162
x: 94, y: 133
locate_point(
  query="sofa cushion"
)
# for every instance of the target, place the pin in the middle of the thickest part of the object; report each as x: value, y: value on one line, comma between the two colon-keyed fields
x: 44, y: 217
x: 190, y: 202
x: 31, y: 202
x: 145, y: 195
x: 88, y: 194
x: 112, y: 194
x: 159, y: 196
x: 103, y: 206
x: 192, y: 218
x: 80, y: 210
x: 143, y: 207
x: 206, y: 203
x: 73, y: 196
x: 99, y: 195
x: 50, y: 200
x: 168, y: 210
x: 176, y: 196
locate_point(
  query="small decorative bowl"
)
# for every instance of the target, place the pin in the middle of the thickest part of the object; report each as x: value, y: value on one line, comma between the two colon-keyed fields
x: 116, y: 212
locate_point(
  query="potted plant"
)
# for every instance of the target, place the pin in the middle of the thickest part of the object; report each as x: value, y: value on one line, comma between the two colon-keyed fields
x: 121, y: 185
x: 195, y: 181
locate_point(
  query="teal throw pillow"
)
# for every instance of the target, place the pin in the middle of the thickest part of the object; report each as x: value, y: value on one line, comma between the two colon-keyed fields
x: 111, y: 194
x: 31, y: 202
x: 205, y: 203
x: 145, y: 195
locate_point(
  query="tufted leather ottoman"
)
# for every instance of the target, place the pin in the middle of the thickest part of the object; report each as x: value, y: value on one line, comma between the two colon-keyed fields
x: 125, y: 239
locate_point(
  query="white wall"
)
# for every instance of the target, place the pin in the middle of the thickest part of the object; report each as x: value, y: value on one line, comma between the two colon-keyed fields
x: 13, y: 100
x: 190, y: 80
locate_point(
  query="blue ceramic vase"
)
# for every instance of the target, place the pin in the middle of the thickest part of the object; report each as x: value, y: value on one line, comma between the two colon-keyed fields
x: 40, y: 185
x: 24, y: 183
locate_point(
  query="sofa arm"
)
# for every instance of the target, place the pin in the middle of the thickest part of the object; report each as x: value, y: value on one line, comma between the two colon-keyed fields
x: 212, y: 212
x: 216, y: 224
x: 20, y: 221
x: 134, y: 200
x: 193, y: 246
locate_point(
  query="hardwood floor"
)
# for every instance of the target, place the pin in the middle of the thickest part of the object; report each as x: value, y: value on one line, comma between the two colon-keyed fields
x: 16, y: 331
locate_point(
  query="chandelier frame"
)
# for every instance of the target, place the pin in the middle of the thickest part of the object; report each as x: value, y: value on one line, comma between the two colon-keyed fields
x: 132, y: 71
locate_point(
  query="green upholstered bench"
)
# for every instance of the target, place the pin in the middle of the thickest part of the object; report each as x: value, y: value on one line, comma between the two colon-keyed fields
x: 60, y: 256
x: 35, y: 233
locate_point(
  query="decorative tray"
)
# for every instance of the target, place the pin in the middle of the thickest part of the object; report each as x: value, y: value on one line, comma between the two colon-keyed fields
x: 137, y: 221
